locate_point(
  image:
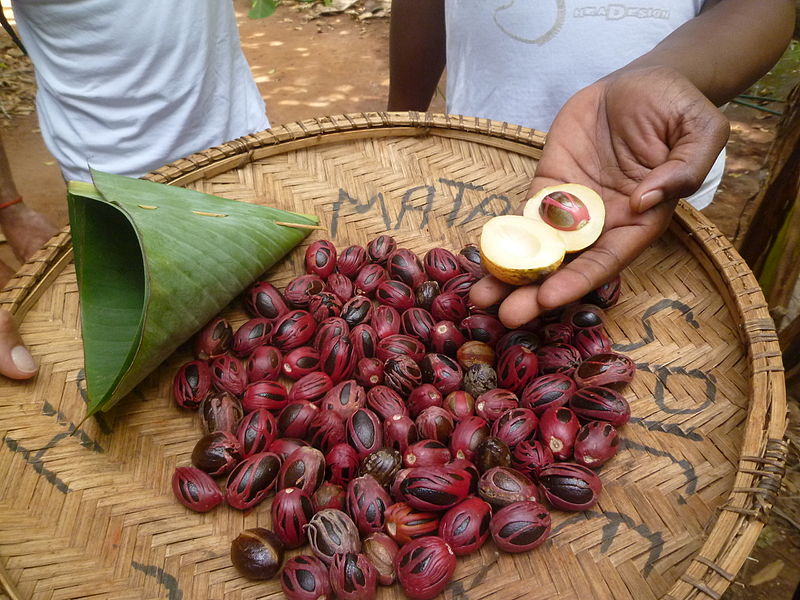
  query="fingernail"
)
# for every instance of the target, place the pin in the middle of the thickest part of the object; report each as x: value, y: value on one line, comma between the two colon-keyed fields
x: 650, y: 199
x: 22, y: 359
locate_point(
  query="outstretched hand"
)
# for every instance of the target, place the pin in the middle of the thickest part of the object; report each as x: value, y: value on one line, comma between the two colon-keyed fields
x: 15, y: 360
x: 640, y: 138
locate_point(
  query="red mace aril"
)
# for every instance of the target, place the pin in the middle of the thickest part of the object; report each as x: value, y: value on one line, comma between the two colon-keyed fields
x: 283, y: 447
x: 435, y: 423
x: 423, y: 397
x: 368, y: 280
x: 501, y: 486
x: 546, y: 391
x: 217, y: 453
x: 424, y: 567
x: 405, y: 523
x: 250, y: 335
x: 515, y: 426
x: 418, y: 323
x: 304, y: 468
x: 558, y: 428
x: 383, y: 465
x: 300, y: 362
x: 341, y: 286
x: 252, y: 480
x: 394, y: 488
x: 441, y: 265
x: 449, y: 306
x: 426, y: 453
x: 329, y: 495
x: 294, y: 329
x: 558, y: 358
x: 465, y: 527
x: 399, y: 344
x: 337, y: 358
x: 518, y: 337
x: 228, y: 374
x: 380, y: 549
x: 473, y: 352
x: 601, y: 404
x: 446, y: 338
x: 484, y: 328
x: 379, y: 249
x: 557, y: 333
x: 342, y: 462
x: 385, y: 321
x: 357, y: 310
x: 396, y: 294
x: 328, y: 329
x: 470, y: 470
x: 332, y: 532
x: 256, y: 432
x: 299, y: 291
x: 399, y: 432
x: 435, y: 488
x: 469, y: 259
x: 220, y: 411
x: 402, y: 374
x: 426, y: 293
x: 596, y: 444
x: 305, y: 577
x: 460, y: 404
x: 191, y: 384
x: 490, y: 405
x: 492, y: 452
x: 367, y: 502
x: 321, y: 258
x: 442, y: 372
x: 311, y: 387
x: 610, y: 370
x: 583, y: 316
x: 467, y: 436
x: 403, y: 265
x: 570, y: 486
x: 351, y: 260
x: 364, y: 432
x: 365, y: 341
x: 265, y: 394
x: 369, y: 372
x: 295, y: 418
x: 345, y: 398
x: 195, y: 489
x: 460, y: 284
x: 213, y: 340
x: 520, y: 526
x: 264, y: 363
x: 606, y: 295
x: 530, y: 456
x: 353, y: 577
x: 262, y: 299
x: 385, y: 402
x: 257, y: 553
x: 324, y: 306
x: 591, y: 341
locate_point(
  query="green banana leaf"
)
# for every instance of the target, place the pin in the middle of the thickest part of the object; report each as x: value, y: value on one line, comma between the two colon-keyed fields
x: 154, y: 264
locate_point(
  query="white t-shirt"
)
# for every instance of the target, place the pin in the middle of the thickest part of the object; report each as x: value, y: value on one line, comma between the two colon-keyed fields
x: 519, y: 61
x: 127, y: 86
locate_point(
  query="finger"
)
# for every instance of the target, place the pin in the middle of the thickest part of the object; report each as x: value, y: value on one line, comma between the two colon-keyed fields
x: 488, y: 291
x: 16, y: 361
x: 520, y: 306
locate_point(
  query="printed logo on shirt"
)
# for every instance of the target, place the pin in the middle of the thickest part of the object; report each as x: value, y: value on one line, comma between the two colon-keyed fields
x: 615, y: 12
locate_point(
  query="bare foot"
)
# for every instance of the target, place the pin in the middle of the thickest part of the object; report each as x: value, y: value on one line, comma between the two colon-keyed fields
x: 25, y: 229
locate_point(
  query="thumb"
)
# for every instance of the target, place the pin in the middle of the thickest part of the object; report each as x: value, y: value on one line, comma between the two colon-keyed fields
x: 16, y: 361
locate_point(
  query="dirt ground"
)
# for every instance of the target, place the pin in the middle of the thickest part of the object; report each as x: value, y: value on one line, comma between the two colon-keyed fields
x: 304, y: 66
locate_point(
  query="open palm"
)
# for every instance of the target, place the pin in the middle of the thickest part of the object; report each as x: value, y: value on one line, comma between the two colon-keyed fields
x: 641, y: 139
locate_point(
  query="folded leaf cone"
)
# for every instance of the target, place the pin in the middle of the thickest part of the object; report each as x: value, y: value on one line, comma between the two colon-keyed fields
x: 155, y: 263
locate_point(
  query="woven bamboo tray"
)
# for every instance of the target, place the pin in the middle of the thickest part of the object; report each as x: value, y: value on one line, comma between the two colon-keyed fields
x: 91, y: 515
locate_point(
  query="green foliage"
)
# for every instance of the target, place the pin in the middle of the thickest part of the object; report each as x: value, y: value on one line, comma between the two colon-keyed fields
x: 262, y: 8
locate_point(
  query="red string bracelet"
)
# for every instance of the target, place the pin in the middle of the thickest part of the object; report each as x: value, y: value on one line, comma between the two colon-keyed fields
x: 16, y: 200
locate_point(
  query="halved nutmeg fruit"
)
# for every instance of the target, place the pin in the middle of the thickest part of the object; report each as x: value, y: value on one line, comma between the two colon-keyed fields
x: 576, y: 211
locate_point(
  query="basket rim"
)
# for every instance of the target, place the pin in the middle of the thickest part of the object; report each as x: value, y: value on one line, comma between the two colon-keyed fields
x: 763, y: 453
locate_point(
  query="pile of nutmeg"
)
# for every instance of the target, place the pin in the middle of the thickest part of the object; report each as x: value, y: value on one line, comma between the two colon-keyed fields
x: 397, y: 425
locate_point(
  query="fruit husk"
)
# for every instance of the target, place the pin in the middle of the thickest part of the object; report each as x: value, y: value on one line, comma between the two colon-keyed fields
x: 154, y: 263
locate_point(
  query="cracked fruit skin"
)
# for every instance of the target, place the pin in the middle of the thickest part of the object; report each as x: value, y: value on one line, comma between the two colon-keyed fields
x: 519, y: 250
